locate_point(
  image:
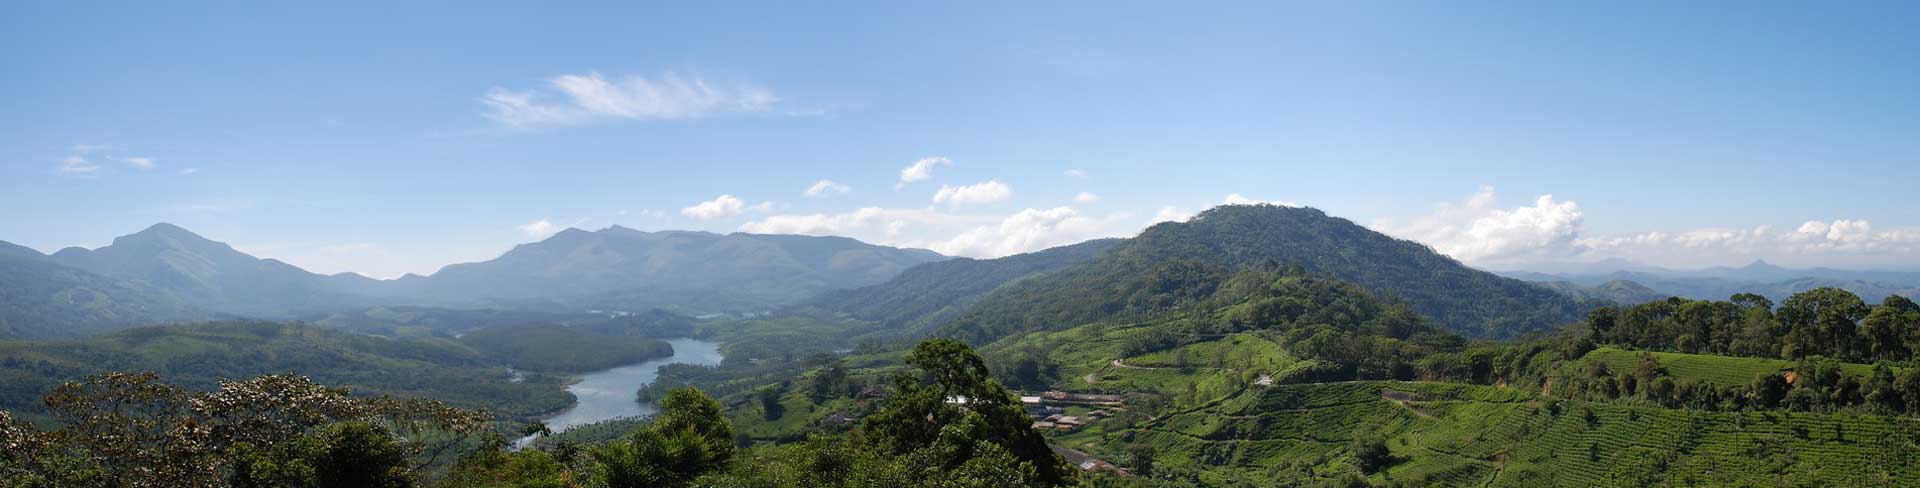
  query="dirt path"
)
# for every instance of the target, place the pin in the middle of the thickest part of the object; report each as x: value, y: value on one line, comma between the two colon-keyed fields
x: 1404, y: 400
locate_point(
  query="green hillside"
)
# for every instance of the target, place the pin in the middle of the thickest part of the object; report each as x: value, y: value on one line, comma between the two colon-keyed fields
x: 1174, y: 263
x: 928, y: 295
x: 40, y: 299
x: 1458, y: 435
x: 198, y: 355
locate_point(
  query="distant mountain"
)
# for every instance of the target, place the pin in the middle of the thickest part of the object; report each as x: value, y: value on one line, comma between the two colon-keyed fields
x: 1173, y: 263
x: 40, y: 299
x: 211, y: 275
x: 1618, y: 291
x: 166, y: 273
x: 626, y: 269
x: 1759, y: 277
x: 927, y: 296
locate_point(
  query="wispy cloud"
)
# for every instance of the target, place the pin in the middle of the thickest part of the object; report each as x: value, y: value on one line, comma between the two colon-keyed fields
x: 827, y: 187
x: 76, y: 162
x: 723, y: 206
x: 539, y: 229
x: 1237, y: 199
x: 77, y: 165
x: 142, y: 163
x: 1085, y: 197
x: 1076, y: 173
x: 583, y: 98
x: 920, y: 170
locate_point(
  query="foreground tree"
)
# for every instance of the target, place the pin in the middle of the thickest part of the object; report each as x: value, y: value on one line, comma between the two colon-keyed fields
x: 961, y: 413
x: 127, y: 430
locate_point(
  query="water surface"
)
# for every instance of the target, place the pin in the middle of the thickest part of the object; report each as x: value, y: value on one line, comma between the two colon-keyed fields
x: 609, y: 394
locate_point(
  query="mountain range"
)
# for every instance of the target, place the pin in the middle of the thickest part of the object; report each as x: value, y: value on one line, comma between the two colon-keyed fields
x: 169, y: 274
x: 1717, y: 283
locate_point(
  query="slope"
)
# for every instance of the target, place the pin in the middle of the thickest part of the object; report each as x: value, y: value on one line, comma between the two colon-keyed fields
x: 1176, y: 262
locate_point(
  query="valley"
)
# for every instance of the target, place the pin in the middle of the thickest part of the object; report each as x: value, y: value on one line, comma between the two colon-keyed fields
x: 1250, y: 346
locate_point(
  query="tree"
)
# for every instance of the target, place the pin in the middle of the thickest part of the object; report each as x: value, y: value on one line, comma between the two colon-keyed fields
x: 1370, y: 454
x: 830, y: 381
x: 770, y: 406
x: 1140, y: 457
x: 1823, y: 321
x: 688, y: 438
x: 960, y: 406
x: 275, y: 430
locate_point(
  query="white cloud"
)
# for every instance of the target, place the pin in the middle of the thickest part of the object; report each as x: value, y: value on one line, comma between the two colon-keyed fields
x: 983, y: 192
x: 142, y: 163
x: 1477, y: 232
x: 1026, y: 231
x: 827, y: 187
x: 1170, y: 214
x: 1236, y: 199
x: 188, y: 171
x: 1553, y: 231
x: 77, y: 165
x: 921, y: 170
x: 1076, y: 173
x: 591, y: 97
x: 980, y: 236
x: 721, y: 206
x: 539, y: 229
x: 1085, y: 197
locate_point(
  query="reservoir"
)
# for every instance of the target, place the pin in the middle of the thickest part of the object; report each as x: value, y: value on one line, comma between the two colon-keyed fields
x: 609, y: 394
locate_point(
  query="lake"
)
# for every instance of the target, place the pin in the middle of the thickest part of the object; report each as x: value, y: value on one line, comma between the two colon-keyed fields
x: 609, y: 394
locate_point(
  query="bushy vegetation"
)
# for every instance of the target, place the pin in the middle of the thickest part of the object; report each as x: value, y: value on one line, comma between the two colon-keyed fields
x: 1828, y: 322
x: 198, y: 356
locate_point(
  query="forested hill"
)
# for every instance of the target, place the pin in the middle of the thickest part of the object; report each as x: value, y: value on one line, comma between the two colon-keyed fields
x: 200, y: 355
x: 1176, y: 262
x: 627, y: 269
x: 41, y: 299
x: 927, y: 296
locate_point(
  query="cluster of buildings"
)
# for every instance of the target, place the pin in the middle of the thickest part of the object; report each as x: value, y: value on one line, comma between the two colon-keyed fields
x: 1049, y: 410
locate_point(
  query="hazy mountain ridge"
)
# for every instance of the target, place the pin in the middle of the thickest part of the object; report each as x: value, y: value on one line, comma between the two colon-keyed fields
x: 42, y: 299
x: 926, y: 296
x: 1716, y: 283
x: 166, y: 273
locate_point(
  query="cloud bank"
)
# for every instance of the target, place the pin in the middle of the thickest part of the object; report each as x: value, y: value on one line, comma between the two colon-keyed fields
x: 1550, y: 230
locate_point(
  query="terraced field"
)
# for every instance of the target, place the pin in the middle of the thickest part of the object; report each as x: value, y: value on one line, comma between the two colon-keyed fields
x: 1459, y: 435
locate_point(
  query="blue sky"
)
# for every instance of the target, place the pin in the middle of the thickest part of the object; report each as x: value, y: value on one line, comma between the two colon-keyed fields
x: 388, y: 139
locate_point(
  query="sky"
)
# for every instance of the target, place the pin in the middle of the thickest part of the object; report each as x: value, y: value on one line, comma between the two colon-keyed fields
x: 390, y: 139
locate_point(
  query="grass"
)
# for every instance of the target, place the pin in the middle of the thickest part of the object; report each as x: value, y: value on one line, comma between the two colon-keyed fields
x: 1721, y: 370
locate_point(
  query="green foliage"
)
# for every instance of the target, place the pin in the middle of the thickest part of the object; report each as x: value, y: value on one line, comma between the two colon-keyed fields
x: 928, y: 295
x: 133, y: 430
x: 40, y: 299
x: 963, y: 413
x: 1827, y: 322
x: 198, y: 356
x: 1172, y: 264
